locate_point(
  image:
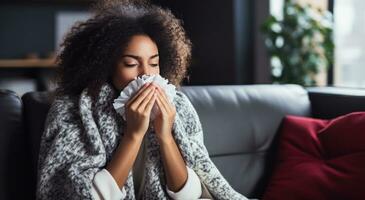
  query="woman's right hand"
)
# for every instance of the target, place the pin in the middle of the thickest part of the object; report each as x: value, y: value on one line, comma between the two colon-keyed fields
x: 138, y: 111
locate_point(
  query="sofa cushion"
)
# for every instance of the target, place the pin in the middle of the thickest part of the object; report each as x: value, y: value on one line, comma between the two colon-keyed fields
x: 320, y: 159
x: 240, y: 124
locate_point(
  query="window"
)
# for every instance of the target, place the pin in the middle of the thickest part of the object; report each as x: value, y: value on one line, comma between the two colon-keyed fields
x: 276, y: 8
x: 349, y: 31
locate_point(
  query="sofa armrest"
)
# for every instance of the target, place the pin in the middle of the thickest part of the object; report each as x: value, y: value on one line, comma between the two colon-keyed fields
x: 14, y: 155
x: 330, y: 102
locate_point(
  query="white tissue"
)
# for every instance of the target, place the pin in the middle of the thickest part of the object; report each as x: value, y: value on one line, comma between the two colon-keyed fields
x: 135, y: 85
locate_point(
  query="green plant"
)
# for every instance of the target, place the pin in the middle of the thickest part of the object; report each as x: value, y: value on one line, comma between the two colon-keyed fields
x: 300, y: 44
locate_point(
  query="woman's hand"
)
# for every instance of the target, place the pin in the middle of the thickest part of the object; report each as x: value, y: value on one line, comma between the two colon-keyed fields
x: 165, y: 118
x: 174, y: 164
x: 138, y: 111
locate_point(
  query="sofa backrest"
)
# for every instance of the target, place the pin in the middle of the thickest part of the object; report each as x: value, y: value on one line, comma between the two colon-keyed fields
x: 331, y: 102
x: 35, y: 109
x: 239, y: 125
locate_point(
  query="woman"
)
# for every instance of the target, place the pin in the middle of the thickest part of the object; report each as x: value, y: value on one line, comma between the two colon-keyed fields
x: 88, y: 151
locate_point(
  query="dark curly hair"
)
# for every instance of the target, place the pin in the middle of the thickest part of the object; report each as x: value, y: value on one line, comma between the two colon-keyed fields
x: 92, y: 48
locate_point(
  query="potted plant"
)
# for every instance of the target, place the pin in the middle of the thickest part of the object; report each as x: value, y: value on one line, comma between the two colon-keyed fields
x: 300, y: 44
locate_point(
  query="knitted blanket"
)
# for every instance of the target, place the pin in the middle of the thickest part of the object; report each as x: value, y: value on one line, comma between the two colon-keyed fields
x: 81, y: 135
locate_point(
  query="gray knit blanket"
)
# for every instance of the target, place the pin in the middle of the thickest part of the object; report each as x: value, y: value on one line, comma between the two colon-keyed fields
x: 81, y: 135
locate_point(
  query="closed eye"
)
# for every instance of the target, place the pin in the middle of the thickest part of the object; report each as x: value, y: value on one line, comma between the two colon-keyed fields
x: 130, y: 65
x: 154, y: 65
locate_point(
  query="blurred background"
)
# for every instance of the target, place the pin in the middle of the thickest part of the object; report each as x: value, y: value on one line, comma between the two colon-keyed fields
x: 306, y: 42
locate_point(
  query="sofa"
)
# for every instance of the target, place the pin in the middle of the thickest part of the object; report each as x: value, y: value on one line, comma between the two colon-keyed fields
x: 240, y: 124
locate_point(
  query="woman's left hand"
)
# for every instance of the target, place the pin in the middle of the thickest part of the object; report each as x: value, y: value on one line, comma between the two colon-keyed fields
x: 166, y: 116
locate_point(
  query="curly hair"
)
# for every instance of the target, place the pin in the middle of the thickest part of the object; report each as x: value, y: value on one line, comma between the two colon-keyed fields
x: 91, y: 50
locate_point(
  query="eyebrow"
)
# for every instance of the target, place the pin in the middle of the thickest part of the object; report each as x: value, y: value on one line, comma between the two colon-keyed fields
x: 138, y: 57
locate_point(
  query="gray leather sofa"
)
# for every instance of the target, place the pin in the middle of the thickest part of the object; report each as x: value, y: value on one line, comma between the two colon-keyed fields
x: 240, y: 125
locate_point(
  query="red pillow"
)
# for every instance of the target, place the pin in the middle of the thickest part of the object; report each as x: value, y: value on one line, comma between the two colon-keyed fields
x: 320, y: 159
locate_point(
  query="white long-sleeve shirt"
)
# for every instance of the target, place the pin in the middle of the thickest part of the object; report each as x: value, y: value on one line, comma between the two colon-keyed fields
x: 105, y: 186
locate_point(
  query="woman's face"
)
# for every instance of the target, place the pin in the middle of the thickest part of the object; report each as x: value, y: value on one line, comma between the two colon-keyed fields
x: 139, y: 57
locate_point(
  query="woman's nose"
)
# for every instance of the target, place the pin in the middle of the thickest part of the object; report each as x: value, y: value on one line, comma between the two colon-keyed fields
x: 144, y: 69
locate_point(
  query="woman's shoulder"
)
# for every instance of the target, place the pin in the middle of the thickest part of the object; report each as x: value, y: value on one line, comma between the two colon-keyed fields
x: 63, y: 108
x: 182, y: 102
x: 187, y: 113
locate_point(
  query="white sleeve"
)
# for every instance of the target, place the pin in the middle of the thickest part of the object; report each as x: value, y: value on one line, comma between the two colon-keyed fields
x: 105, y: 187
x: 191, y: 190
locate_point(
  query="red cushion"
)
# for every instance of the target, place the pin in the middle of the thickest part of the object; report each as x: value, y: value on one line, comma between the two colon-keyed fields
x: 320, y: 159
